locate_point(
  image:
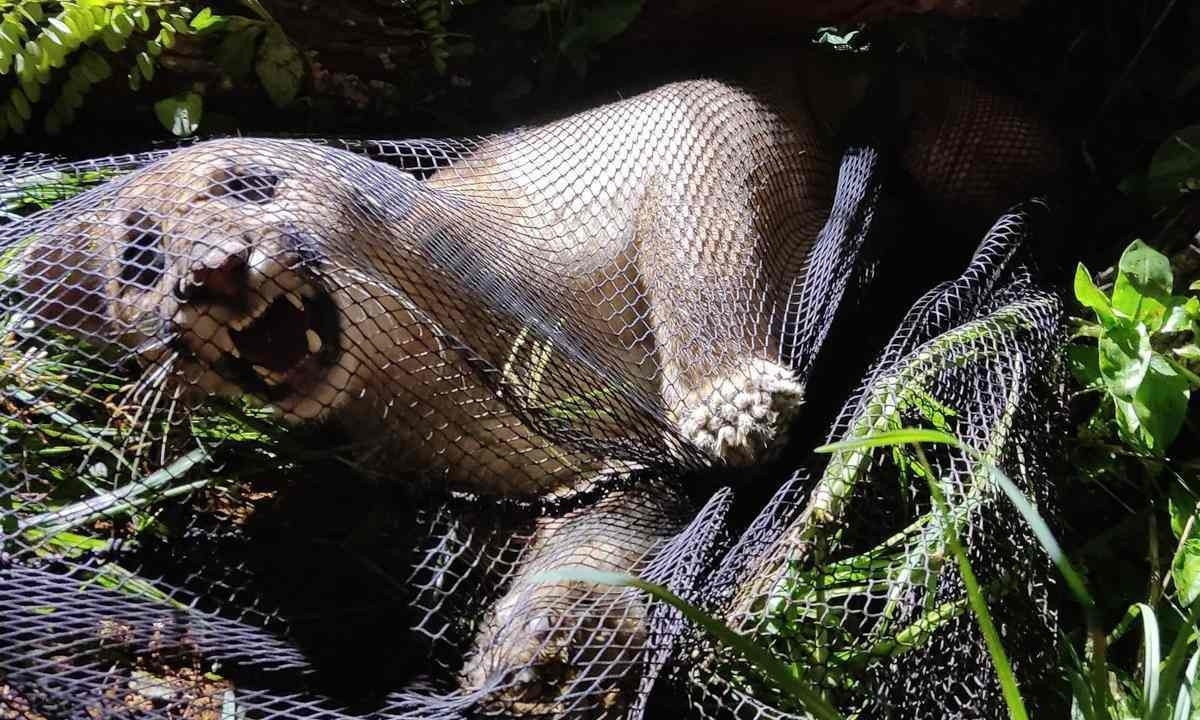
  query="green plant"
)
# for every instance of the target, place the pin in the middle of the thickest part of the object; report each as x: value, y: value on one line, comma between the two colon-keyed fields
x: 42, y: 190
x: 949, y: 528
x: 758, y: 656
x: 55, y: 51
x: 243, y: 45
x: 433, y: 15
x: 256, y: 44
x: 1140, y: 352
x: 1169, y: 689
x: 574, y: 32
x: 1174, y: 170
x: 1139, y: 355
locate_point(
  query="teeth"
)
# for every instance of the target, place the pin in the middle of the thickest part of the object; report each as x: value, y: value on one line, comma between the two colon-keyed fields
x: 314, y: 341
x: 241, y: 323
x: 265, y: 374
x: 234, y: 351
x: 294, y: 299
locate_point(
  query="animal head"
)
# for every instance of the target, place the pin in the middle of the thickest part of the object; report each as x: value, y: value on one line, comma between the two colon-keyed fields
x: 218, y: 261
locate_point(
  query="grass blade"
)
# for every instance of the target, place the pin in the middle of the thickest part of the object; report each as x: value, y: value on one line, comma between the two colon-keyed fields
x: 1172, y: 667
x: 892, y: 437
x: 818, y: 706
x: 1004, y: 671
x: 119, y: 501
x: 1152, y: 660
x: 1183, y: 703
x: 1098, y: 665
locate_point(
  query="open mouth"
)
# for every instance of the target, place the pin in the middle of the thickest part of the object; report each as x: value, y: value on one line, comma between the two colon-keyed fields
x: 286, y: 346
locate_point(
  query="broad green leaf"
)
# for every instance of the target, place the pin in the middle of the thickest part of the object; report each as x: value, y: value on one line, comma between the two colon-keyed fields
x: 1149, y: 269
x: 95, y: 66
x: 1181, y: 506
x: 1124, y: 358
x: 141, y: 18
x: 1084, y: 361
x: 1189, y: 352
x: 32, y: 12
x: 180, y: 22
x: 12, y: 32
x: 1143, y: 285
x: 1175, y: 162
x: 112, y: 39
x: 280, y: 67
x: 121, y: 23
x: 600, y: 23
x: 1128, y: 424
x: 206, y: 19
x: 53, y: 55
x: 24, y: 66
x: 1180, y: 313
x: 1186, y: 571
x: 1089, y: 295
x: 236, y: 52
x: 65, y: 32
x: 83, y: 21
x: 18, y: 102
x: 145, y: 65
x: 1161, y: 405
x: 181, y: 113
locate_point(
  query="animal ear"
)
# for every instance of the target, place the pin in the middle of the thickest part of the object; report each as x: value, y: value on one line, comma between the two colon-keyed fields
x: 59, y: 282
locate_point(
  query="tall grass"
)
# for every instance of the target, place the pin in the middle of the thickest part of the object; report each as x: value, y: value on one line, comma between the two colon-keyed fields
x: 1100, y: 690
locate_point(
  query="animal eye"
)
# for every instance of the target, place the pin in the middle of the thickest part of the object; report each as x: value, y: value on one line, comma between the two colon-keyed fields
x: 142, y: 259
x: 245, y: 184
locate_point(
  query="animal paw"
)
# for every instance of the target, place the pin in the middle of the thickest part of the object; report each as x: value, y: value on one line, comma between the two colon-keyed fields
x: 560, y: 650
x: 742, y: 416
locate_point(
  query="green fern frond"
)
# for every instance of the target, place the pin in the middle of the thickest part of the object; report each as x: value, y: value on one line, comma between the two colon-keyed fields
x: 55, y: 51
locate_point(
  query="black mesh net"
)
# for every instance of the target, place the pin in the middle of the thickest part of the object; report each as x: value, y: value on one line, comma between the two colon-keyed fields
x: 847, y: 573
x: 299, y: 428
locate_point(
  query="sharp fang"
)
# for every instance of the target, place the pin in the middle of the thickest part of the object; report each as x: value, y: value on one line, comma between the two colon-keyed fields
x: 234, y: 351
x: 241, y: 323
x: 294, y: 299
x: 314, y: 341
x: 265, y: 374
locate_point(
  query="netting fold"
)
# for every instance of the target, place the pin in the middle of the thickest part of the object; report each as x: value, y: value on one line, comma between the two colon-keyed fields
x: 347, y: 428
x: 847, y: 573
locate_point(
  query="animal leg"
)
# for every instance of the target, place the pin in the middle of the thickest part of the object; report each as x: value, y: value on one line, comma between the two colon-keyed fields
x: 564, y: 646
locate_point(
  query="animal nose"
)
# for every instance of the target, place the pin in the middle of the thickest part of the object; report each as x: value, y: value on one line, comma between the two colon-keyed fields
x: 219, y: 279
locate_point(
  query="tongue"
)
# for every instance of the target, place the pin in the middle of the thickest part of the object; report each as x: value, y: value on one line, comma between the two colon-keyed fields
x: 276, y: 339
